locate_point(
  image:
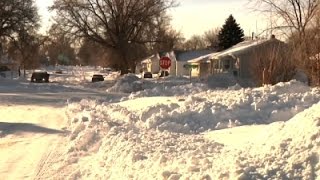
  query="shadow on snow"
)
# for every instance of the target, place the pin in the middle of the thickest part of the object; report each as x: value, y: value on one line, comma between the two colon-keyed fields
x: 11, y: 128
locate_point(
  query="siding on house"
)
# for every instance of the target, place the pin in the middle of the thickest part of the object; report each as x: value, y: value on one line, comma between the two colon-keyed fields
x: 183, y: 58
x: 151, y: 64
x: 203, y: 64
x: 240, y: 58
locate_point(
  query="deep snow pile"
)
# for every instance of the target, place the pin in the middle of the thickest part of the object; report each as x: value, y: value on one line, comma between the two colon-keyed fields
x: 176, y: 136
x: 170, y: 86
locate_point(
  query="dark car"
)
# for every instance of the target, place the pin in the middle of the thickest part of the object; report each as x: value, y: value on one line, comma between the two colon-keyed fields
x: 97, y: 78
x: 164, y: 73
x: 59, y: 71
x: 147, y: 75
x: 4, y: 68
x: 40, y: 77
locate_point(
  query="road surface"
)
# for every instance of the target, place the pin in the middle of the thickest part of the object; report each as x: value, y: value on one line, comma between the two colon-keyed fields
x: 33, y: 126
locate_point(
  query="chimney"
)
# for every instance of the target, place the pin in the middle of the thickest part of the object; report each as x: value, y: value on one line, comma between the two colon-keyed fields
x: 272, y: 36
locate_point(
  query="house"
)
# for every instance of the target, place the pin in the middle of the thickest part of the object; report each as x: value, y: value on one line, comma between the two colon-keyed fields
x: 183, y: 58
x: 7, y: 67
x: 151, y: 63
x: 179, y: 60
x: 201, y: 66
x: 241, y: 58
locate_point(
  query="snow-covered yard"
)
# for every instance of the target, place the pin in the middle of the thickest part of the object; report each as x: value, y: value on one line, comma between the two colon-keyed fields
x: 157, y: 129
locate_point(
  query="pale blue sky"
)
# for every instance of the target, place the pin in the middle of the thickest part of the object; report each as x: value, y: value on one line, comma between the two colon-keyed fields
x: 197, y: 16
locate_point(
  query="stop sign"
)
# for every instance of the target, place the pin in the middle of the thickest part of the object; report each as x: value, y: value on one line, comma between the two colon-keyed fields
x: 165, y: 62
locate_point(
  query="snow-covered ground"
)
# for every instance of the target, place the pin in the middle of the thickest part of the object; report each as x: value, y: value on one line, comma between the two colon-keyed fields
x: 129, y: 128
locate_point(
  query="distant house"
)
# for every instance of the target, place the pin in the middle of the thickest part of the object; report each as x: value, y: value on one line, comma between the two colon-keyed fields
x: 201, y: 66
x: 151, y: 63
x: 240, y: 58
x: 183, y: 58
x: 179, y: 60
x: 7, y: 66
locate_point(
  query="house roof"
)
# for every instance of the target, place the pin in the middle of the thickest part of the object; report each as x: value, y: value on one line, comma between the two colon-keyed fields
x: 203, y: 59
x: 243, y: 47
x: 181, y: 56
x: 149, y: 58
x: 185, y: 56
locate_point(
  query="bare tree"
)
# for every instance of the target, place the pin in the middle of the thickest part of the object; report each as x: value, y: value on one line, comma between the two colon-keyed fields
x: 25, y: 50
x: 16, y: 15
x: 167, y: 40
x: 59, y: 47
x: 115, y: 24
x: 272, y: 63
x: 92, y: 53
x: 314, y: 45
x: 295, y: 16
x: 211, y: 37
x: 194, y: 43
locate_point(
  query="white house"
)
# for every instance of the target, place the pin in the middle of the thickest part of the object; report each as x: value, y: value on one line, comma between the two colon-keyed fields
x: 179, y: 61
x: 151, y: 64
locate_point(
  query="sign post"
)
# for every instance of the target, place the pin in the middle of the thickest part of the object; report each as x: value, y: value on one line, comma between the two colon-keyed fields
x: 190, y: 67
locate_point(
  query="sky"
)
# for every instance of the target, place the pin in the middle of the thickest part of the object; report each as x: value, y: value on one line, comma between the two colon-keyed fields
x: 195, y: 17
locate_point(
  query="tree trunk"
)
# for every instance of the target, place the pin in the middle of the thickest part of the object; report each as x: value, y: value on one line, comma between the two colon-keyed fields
x: 24, y: 70
x: 19, y: 72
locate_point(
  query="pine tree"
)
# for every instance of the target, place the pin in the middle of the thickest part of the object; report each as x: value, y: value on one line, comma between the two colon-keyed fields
x: 230, y: 34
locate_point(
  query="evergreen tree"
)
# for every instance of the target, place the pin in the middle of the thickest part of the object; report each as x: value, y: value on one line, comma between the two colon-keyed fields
x: 230, y: 34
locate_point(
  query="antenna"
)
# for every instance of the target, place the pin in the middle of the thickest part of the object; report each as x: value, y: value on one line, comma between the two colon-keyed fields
x: 271, y: 24
x: 257, y: 26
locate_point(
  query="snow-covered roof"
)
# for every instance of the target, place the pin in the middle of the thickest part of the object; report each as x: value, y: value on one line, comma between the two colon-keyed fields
x: 149, y: 59
x: 242, y: 47
x: 190, y: 55
x: 146, y: 60
x: 205, y: 58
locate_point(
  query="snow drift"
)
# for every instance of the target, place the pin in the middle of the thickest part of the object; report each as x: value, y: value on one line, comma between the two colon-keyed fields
x: 191, y: 131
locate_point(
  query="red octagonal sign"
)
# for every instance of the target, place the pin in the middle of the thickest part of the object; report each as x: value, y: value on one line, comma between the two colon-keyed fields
x: 165, y: 62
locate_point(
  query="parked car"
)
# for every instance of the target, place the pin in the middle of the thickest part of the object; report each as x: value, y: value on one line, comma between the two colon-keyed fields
x: 40, y: 77
x: 97, y: 78
x: 164, y: 74
x: 147, y: 75
x: 58, y: 71
x: 4, y: 68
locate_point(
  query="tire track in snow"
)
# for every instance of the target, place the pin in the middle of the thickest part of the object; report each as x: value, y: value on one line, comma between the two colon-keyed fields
x: 32, y: 140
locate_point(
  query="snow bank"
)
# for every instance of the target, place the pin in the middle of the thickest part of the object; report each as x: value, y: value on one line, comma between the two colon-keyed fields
x: 130, y: 83
x: 176, y: 137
